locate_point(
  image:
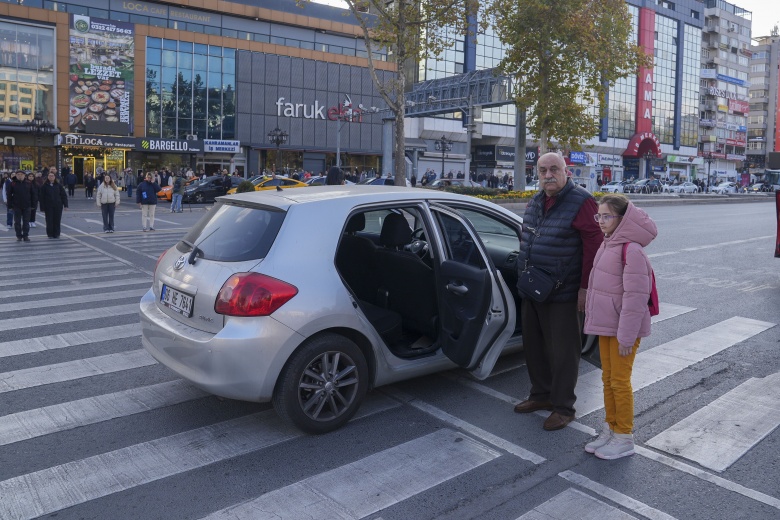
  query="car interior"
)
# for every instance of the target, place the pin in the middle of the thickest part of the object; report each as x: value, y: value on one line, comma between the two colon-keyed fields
x: 386, y: 262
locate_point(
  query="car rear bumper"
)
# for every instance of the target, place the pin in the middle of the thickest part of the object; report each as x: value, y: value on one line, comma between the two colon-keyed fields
x: 242, y: 361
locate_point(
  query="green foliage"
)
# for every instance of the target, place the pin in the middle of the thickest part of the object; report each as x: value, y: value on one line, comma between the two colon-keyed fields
x: 244, y: 186
x: 564, y: 53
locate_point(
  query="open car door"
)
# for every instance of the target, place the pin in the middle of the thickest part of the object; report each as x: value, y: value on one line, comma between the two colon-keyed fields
x: 476, y: 310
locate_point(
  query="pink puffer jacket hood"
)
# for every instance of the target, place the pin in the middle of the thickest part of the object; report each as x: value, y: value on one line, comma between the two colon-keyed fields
x: 616, y: 304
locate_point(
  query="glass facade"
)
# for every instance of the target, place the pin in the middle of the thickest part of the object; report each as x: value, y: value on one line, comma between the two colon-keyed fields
x: 622, y: 95
x: 664, y: 75
x: 489, y: 53
x: 689, y: 127
x: 190, y: 89
x: 449, y: 63
x: 26, y: 72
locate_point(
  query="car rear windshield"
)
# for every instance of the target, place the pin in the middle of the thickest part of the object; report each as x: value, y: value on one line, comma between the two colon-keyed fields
x: 234, y: 233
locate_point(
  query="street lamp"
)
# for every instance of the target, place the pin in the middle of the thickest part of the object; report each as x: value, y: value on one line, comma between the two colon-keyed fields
x: 277, y: 137
x: 709, y: 160
x: 39, y: 127
x: 444, y: 145
x: 344, y: 116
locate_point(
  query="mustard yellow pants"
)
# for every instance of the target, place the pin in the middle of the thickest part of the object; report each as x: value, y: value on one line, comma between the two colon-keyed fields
x: 616, y: 376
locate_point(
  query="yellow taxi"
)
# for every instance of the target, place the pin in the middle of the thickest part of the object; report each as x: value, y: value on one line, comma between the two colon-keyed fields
x: 270, y: 183
x: 166, y: 193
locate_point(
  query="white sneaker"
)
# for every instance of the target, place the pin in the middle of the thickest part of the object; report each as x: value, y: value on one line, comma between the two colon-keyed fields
x: 620, y: 445
x: 601, y: 440
x: 32, y: 224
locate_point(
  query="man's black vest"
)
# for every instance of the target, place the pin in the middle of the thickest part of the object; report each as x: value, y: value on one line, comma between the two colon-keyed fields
x: 557, y: 246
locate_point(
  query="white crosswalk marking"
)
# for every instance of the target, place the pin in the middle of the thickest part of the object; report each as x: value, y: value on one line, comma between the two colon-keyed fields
x: 615, y: 496
x: 664, y: 360
x: 70, y: 370
x: 670, y: 310
x: 68, y: 339
x: 72, y: 300
x: 575, y: 504
x: 368, y: 485
x: 67, y: 317
x: 56, y: 418
x: 719, y: 434
x: 49, y: 490
x: 70, y: 287
x: 63, y: 278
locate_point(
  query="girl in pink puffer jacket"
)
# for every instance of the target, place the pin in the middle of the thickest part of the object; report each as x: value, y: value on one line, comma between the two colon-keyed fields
x: 616, y: 310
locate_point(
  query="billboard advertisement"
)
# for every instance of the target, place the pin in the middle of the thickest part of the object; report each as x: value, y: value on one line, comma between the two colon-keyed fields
x: 102, y: 58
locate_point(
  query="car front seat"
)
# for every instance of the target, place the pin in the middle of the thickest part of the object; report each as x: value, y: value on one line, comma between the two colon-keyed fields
x: 405, y: 279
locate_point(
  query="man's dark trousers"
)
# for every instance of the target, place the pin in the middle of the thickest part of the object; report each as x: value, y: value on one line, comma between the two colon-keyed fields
x: 553, y: 344
x: 22, y: 222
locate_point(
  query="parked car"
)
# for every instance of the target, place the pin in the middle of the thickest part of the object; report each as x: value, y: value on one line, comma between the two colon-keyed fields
x: 231, y: 310
x: 166, y: 193
x: 320, y: 181
x: 270, y: 183
x: 760, y: 187
x: 382, y: 181
x: 685, y: 187
x: 725, y: 187
x: 439, y: 184
x: 613, y: 187
x: 205, y: 190
x: 643, y: 186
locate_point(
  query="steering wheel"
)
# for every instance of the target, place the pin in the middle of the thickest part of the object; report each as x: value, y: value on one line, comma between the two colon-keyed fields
x: 418, y: 245
x: 418, y: 234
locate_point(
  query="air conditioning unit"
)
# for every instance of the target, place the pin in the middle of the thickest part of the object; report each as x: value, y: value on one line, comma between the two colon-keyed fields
x: 192, y: 137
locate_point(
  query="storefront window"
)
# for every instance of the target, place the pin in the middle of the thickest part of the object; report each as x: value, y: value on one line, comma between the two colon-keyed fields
x: 27, y: 66
x: 196, y: 90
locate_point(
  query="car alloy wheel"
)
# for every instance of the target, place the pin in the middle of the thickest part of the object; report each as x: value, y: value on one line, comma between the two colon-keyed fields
x: 322, y: 384
x: 199, y: 197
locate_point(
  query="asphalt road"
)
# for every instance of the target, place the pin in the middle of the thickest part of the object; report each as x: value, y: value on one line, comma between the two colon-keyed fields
x: 91, y: 427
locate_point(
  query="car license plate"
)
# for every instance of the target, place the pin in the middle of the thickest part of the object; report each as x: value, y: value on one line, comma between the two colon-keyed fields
x: 176, y: 300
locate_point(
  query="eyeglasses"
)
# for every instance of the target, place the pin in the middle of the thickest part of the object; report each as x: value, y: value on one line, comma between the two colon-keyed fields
x: 606, y: 218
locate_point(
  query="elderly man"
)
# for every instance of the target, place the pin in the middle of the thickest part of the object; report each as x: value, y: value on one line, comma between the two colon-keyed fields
x: 22, y: 197
x: 560, y: 236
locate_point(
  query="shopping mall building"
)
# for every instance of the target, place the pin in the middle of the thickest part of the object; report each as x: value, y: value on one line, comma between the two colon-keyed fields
x: 196, y: 83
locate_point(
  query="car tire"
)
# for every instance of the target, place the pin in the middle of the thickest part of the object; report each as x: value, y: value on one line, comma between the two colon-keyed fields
x: 317, y: 399
x: 199, y: 197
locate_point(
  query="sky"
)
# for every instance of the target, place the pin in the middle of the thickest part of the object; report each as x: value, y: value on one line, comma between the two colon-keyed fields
x: 766, y: 13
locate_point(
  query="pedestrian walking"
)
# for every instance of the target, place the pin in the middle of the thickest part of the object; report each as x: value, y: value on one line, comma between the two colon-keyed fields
x: 146, y: 197
x: 177, y: 193
x: 9, y: 211
x: 561, y: 238
x: 617, y: 311
x: 129, y: 181
x: 335, y: 176
x: 70, y: 180
x: 89, y: 185
x: 36, y: 188
x: 53, y: 200
x: 107, y: 200
x: 22, y: 197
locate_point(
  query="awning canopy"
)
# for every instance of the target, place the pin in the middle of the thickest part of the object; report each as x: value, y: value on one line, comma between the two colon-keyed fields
x: 642, y: 143
x: 415, y: 144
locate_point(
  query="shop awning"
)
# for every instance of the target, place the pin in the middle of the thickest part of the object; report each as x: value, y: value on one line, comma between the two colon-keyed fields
x: 641, y: 143
x: 415, y: 144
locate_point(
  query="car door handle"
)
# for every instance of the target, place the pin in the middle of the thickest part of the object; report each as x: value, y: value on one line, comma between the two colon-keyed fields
x: 457, y: 289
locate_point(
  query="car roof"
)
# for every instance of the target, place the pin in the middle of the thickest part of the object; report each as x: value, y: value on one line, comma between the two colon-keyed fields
x: 355, y: 195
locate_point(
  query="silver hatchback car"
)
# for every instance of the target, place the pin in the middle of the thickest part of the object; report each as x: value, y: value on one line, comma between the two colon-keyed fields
x: 405, y: 283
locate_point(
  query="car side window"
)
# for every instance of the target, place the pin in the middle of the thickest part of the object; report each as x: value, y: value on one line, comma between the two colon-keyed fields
x: 458, y: 242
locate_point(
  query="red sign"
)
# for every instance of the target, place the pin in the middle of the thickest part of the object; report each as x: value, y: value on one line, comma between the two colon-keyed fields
x: 644, y: 81
x: 735, y: 105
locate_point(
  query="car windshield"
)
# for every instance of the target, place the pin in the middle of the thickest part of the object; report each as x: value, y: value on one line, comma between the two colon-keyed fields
x: 232, y: 232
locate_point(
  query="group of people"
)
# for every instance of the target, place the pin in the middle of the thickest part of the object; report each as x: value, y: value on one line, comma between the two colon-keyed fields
x: 23, y: 193
x: 583, y: 244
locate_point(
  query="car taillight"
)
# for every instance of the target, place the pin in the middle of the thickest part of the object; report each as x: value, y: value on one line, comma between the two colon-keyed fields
x: 253, y: 294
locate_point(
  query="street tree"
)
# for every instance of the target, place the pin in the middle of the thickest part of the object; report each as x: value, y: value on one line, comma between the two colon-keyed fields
x: 564, y: 55
x: 409, y: 31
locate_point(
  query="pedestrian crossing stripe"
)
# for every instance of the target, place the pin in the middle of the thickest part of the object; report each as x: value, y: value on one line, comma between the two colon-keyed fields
x: 68, y: 339
x: 68, y: 317
x: 73, y: 286
x: 53, y: 489
x: 571, y: 504
x: 368, y: 485
x: 73, y: 300
x: 67, y: 278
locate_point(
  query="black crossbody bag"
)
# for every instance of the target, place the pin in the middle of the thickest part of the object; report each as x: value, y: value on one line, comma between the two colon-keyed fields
x: 534, y: 282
